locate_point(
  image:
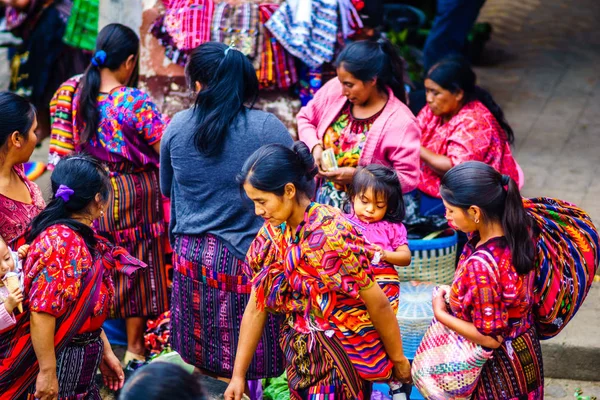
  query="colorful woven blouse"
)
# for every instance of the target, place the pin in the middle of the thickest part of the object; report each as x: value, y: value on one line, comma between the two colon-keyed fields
x: 488, y: 291
x: 130, y: 124
x: 314, y: 277
x: 471, y: 135
x: 16, y: 216
x: 346, y: 136
x: 56, y: 264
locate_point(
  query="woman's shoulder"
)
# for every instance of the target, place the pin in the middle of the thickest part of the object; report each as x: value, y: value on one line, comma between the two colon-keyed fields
x: 474, y: 111
x: 57, y: 236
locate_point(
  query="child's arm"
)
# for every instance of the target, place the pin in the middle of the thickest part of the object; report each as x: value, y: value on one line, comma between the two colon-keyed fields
x: 22, y: 251
x: 7, y: 318
x: 401, y: 256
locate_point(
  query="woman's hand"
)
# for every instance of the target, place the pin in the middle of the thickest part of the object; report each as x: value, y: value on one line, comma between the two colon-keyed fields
x: 15, y: 297
x: 439, y: 302
x: 46, y: 385
x: 401, y: 370
x: 236, y: 389
x: 342, y: 176
x: 112, y: 372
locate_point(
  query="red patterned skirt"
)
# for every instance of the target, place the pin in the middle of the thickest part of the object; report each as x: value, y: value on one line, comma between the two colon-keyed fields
x: 515, y: 371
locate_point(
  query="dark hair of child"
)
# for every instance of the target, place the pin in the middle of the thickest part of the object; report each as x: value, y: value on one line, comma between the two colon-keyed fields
x: 384, y: 182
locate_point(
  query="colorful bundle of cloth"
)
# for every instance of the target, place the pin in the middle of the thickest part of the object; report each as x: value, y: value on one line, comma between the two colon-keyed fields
x: 568, y: 253
x: 307, y: 29
x: 185, y: 25
x: 277, y: 67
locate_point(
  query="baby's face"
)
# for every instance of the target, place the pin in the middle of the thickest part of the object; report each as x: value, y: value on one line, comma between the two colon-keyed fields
x: 7, y: 263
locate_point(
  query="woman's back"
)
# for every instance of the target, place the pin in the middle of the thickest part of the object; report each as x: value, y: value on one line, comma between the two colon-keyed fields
x: 129, y: 125
x: 205, y: 197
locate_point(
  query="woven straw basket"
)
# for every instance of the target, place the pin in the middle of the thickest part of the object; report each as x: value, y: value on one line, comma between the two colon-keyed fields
x: 433, y: 260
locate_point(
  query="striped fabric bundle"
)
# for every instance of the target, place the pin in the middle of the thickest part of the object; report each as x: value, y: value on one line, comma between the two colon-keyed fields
x: 185, y: 25
x: 61, y: 112
x: 277, y: 66
x: 447, y: 366
x: 567, y: 260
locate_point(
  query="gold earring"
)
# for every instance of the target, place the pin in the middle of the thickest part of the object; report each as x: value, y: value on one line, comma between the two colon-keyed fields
x: 102, y: 213
x: 476, y: 221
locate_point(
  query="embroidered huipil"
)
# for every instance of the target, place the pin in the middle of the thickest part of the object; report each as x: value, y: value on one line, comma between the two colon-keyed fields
x: 130, y: 124
x: 347, y: 136
x: 16, y: 216
x: 471, y: 135
x: 314, y: 278
x: 488, y: 291
x: 56, y: 265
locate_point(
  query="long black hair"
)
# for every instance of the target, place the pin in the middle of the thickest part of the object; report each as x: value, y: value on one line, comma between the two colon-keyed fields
x: 16, y: 114
x: 161, y: 381
x: 273, y: 166
x: 228, y: 82
x: 453, y: 74
x: 383, y: 181
x: 370, y: 59
x: 474, y: 183
x: 86, y: 177
x: 114, y: 45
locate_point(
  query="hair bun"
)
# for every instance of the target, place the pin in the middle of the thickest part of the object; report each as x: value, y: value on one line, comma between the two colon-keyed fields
x: 306, y: 159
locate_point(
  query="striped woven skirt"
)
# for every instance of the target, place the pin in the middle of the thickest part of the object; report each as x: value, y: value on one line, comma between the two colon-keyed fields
x: 76, y: 368
x: 318, y: 368
x: 210, y: 293
x: 515, y: 371
x: 134, y: 220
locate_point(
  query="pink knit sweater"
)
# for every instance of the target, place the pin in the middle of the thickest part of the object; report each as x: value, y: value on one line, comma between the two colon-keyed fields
x: 394, y: 139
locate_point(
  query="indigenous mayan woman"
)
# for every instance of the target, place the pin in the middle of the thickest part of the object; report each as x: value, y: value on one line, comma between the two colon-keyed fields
x: 57, y: 344
x: 119, y: 125
x: 309, y: 265
x: 491, y: 298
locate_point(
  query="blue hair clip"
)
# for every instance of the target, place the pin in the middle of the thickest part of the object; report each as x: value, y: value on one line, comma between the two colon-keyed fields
x: 99, y: 58
x: 231, y: 46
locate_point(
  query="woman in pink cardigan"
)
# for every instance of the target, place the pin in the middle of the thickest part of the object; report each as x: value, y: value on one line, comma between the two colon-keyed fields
x: 363, y: 118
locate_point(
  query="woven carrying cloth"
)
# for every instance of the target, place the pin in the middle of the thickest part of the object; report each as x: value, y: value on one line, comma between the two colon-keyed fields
x: 447, y: 366
x: 567, y: 260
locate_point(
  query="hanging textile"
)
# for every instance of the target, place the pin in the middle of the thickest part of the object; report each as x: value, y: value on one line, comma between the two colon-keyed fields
x: 237, y: 25
x: 277, y: 66
x: 82, y: 28
x: 307, y: 29
x: 184, y: 26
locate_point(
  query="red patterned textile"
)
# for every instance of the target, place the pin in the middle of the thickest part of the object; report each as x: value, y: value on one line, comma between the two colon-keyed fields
x: 314, y: 277
x: 15, y: 216
x: 471, y: 135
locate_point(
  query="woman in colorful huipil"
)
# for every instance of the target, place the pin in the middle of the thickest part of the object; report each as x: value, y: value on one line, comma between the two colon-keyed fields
x: 309, y: 264
x: 461, y: 122
x: 491, y: 298
x: 119, y: 125
x: 57, y: 343
x: 20, y: 199
x: 362, y: 117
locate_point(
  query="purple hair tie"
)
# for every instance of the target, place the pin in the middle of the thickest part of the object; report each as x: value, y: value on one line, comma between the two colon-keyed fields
x: 64, y: 192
